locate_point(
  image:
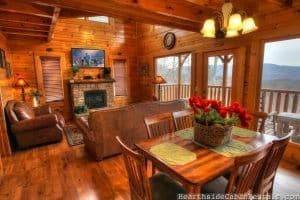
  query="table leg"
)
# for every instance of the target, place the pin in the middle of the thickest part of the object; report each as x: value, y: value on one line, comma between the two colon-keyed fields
x: 193, y: 189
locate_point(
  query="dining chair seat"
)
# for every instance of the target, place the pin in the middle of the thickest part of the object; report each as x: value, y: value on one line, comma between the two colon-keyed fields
x: 217, y: 186
x: 164, y: 187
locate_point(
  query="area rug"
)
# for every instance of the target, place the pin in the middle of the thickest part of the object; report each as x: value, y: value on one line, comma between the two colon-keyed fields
x: 74, y: 135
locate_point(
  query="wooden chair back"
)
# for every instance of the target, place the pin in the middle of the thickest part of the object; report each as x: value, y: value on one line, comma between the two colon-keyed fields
x: 266, y: 178
x: 160, y: 124
x: 183, y: 119
x: 260, y: 117
x: 246, y: 170
x: 137, y: 173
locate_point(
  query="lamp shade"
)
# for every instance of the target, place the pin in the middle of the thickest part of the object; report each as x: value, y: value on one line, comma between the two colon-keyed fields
x: 230, y: 34
x: 21, y: 83
x: 235, y: 22
x: 249, y: 25
x: 208, y: 30
x: 159, y: 80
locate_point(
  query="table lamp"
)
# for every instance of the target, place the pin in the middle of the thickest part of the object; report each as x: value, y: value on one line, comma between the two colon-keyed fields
x: 159, y: 80
x: 21, y: 83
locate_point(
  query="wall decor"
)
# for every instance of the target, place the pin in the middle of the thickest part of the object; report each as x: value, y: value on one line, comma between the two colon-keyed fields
x: 169, y: 40
x: 88, y: 57
x: 144, y: 70
x: 8, y: 70
x: 2, y: 59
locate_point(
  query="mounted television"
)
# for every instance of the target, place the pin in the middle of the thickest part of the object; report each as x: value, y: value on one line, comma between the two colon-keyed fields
x: 88, y: 57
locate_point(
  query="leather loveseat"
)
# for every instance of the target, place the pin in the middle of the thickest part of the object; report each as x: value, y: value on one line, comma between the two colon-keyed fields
x: 101, y: 127
x: 33, y: 126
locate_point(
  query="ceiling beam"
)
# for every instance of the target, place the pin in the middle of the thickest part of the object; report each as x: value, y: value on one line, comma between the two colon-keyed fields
x: 9, y: 28
x: 23, y: 33
x: 23, y: 18
x: 55, y: 16
x: 131, y: 11
x: 15, y: 6
x: 18, y: 25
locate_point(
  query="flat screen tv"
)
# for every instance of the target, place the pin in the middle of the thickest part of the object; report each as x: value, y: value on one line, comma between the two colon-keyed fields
x: 88, y: 57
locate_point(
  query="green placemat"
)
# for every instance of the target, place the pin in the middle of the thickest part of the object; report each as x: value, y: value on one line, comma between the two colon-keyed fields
x: 173, y: 154
x: 187, y: 134
x: 232, y: 149
x: 241, y: 132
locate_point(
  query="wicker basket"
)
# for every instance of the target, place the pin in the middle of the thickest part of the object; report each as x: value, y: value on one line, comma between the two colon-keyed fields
x: 212, y: 136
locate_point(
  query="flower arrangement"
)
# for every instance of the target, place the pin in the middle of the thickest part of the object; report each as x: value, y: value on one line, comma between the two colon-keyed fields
x: 211, y: 112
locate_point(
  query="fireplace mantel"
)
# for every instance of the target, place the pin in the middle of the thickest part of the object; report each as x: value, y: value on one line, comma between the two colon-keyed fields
x: 92, y: 81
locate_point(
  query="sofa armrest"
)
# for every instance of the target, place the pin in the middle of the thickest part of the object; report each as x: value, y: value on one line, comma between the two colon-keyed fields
x: 83, y: 125
x: 39, y: 122
x: 42, y: 110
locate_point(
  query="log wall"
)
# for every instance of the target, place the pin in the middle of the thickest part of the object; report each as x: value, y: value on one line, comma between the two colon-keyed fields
x: 276, y: 26
x: 117, y: 39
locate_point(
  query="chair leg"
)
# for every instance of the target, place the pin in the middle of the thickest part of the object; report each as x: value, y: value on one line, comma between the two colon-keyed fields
x: 153, y: 169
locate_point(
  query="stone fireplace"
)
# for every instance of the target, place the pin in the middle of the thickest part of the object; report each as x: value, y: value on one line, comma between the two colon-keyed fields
x: 93, y: 93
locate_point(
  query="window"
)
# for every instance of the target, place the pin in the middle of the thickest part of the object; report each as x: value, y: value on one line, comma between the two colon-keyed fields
x: 101, y: 19
x: 52, y: 80
x: 176, y: 70
x: 120, y: 77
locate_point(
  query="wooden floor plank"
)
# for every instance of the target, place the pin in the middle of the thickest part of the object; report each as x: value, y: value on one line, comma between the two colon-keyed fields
x: 57, y: 171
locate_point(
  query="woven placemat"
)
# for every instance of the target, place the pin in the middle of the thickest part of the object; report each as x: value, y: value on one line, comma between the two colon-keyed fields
x: 173, y: 154
x: 187, y: 134
x: 241, y: 132
x: 232, y: 149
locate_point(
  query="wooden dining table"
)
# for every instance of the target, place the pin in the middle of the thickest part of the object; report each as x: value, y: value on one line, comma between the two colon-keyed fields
x: 208, y: 164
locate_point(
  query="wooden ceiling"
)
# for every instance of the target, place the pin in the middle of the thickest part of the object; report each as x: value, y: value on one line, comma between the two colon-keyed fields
x: 37, y: 18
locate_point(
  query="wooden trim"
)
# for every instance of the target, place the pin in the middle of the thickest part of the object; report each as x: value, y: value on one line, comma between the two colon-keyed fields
x: 23, y: 18
x: 133, y: 11
x: 55, y: 16
x: 127, y: 72
x: 39, y: 72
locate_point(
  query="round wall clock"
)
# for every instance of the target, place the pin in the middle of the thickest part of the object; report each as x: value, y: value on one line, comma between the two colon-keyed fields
x: 169, y: 40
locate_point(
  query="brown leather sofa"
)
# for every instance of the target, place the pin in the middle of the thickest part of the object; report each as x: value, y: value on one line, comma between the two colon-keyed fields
x: 101, y: 127
x: 33, y: 126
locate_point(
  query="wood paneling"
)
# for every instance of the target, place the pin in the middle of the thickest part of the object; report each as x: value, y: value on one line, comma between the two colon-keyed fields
x: 116, y: 38
x: 6, y: 93
x: 280, y: 25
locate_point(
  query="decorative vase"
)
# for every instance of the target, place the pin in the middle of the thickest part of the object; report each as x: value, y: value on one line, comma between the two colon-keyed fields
x: 212, y: 136
x: 35, y: 102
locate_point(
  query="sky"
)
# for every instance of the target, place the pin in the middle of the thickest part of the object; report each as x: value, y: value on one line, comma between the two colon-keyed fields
x: 285, y: 52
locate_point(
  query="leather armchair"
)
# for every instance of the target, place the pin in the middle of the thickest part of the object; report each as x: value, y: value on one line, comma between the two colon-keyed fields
x: 33, y: 126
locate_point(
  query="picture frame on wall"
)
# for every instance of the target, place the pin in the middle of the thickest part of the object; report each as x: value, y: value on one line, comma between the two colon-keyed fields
x: 144, y: 70
x: 88, y: 58
x: 2, y: 59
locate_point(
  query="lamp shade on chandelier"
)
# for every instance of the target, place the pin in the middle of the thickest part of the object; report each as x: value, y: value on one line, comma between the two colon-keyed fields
x: 228, y: 24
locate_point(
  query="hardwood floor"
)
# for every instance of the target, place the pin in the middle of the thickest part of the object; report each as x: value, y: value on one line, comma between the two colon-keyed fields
x: 58, y: 171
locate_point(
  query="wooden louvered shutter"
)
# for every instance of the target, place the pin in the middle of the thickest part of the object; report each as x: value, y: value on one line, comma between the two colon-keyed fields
x: 52, y: 80
x: 120, y: 77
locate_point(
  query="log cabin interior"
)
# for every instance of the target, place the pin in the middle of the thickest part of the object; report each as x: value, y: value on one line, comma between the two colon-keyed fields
x: 160, y: 99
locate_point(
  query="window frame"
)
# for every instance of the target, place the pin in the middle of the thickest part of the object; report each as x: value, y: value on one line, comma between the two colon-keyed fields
x: 87, y: 19
x: 127, y: 61
x: 39, y: 73
x: 179, y: 68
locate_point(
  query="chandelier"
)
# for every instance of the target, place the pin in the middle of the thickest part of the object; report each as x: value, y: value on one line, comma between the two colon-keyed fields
x: 227, y: 24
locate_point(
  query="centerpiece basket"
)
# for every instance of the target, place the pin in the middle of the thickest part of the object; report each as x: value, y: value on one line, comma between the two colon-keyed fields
x: 213, y: 122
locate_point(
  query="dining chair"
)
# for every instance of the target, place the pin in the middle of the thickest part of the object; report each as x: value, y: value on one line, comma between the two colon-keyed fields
x: 265, y: 181
x: 243, y: 175
x: 160, y: 124
x: 158, y: 187
x: 183, y: 119
x: 261, y: 120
